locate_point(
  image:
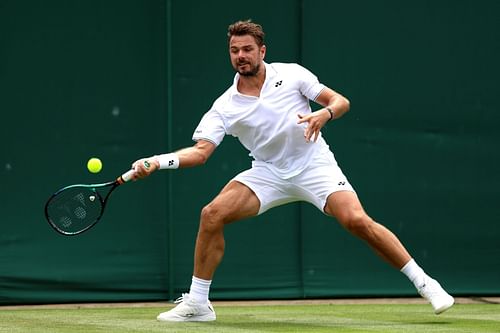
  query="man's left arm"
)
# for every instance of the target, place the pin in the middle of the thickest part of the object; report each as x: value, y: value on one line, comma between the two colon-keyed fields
x: 334, y: 106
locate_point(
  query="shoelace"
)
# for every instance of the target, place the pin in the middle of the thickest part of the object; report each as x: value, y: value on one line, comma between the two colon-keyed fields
x: 430, y: 289
x: 181, y: 299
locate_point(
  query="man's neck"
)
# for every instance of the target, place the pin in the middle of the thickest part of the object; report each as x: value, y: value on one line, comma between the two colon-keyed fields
x: 252, y: 85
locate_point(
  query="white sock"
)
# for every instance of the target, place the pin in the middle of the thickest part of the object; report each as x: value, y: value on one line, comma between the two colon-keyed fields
x: 414, y: 272
x: 199, y: 290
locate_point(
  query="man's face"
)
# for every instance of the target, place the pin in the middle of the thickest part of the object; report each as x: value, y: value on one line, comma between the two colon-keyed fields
x: 246, y: 55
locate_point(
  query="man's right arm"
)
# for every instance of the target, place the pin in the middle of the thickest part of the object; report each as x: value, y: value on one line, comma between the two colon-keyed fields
x: 196, y: 155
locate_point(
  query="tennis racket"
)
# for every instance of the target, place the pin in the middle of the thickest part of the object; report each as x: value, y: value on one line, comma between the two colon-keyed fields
x: 77, y: 208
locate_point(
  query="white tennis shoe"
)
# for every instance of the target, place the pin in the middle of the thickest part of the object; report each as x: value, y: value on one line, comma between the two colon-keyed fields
x: 188, y: 309
x: 432, y: 291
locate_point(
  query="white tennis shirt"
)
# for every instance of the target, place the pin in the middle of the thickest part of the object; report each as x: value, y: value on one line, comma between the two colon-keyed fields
x: 267, y: 125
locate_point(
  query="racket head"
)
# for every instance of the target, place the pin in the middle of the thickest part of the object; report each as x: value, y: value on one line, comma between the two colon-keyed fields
x: 76, y: 208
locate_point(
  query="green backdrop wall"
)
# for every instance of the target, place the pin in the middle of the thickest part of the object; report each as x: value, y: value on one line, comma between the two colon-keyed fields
x: 126, y: 79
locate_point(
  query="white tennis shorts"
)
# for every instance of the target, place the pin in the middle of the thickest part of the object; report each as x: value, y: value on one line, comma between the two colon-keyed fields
x: 321, y: 178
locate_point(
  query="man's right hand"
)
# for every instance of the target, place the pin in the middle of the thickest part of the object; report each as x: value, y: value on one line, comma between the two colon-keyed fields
x: 145, y: 166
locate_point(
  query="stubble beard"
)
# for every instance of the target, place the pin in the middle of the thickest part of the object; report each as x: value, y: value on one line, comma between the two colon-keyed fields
x: 254, y: 69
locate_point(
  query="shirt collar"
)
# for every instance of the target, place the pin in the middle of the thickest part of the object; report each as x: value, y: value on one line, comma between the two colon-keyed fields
x: 270, y: 73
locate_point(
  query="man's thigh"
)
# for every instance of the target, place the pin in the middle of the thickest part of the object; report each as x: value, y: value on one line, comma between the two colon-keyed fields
x: 343, y: 205
x: 235, y: 202
x: 270, y: 190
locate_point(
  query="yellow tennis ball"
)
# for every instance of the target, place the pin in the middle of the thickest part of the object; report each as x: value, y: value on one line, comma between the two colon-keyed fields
x: 94, y: 165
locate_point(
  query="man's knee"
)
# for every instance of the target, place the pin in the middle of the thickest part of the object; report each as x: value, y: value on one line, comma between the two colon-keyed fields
x: 358, y: 223
x: 212, y: 218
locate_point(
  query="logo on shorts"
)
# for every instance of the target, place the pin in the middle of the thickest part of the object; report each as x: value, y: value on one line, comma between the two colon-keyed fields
x: 341, y: 183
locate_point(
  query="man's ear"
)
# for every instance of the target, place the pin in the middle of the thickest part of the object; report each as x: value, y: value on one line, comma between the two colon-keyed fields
x: 262, y: 52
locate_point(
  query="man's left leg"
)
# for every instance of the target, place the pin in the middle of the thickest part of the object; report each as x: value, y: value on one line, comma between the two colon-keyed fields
x: 346, y: 208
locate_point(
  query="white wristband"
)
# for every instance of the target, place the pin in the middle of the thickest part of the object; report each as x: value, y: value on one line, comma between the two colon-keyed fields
x: 168, y: 161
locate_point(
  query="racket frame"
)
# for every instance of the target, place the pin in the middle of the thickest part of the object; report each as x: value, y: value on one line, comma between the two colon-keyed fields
x: 112, y: 185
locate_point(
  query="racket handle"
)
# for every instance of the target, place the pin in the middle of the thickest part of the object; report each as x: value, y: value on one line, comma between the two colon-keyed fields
x: 127, y: 175
x: 130, y: 174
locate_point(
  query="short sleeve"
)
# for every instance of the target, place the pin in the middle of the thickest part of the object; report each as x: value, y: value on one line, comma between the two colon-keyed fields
x: 210, y: 128
x: 309, y: 83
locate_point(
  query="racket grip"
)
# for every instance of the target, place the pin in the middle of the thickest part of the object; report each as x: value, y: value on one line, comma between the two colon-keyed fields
x: 128, y: 175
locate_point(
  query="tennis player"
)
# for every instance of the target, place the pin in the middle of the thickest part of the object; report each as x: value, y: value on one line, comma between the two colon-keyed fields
x: 267, y: 109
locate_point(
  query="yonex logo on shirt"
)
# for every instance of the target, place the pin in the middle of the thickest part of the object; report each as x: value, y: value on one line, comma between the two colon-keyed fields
x: 278, y: 83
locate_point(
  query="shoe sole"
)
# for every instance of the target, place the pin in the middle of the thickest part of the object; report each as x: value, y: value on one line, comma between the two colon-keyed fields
x: 187, y: 319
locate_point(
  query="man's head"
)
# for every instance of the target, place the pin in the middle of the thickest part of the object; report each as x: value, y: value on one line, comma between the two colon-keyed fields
x: 242, y: 28
x: 246, y: 47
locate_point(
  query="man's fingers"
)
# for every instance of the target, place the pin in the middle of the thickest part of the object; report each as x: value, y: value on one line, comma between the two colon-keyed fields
x: 313, y: 128
x: 316, y: 134
x: 142, y: 168
x: 308, y: 134
x: 302, y: 119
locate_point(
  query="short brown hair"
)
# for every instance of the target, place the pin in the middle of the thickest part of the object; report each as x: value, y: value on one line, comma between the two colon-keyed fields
x: 242, y: 28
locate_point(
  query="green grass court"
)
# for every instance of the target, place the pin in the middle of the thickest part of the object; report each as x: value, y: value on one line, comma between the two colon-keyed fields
x: 256, y: 317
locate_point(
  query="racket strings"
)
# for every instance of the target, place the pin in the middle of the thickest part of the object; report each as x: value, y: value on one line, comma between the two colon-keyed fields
x: 74, y: 209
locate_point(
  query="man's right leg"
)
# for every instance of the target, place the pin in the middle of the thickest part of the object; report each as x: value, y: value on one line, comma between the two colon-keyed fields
x: 235, y: 202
